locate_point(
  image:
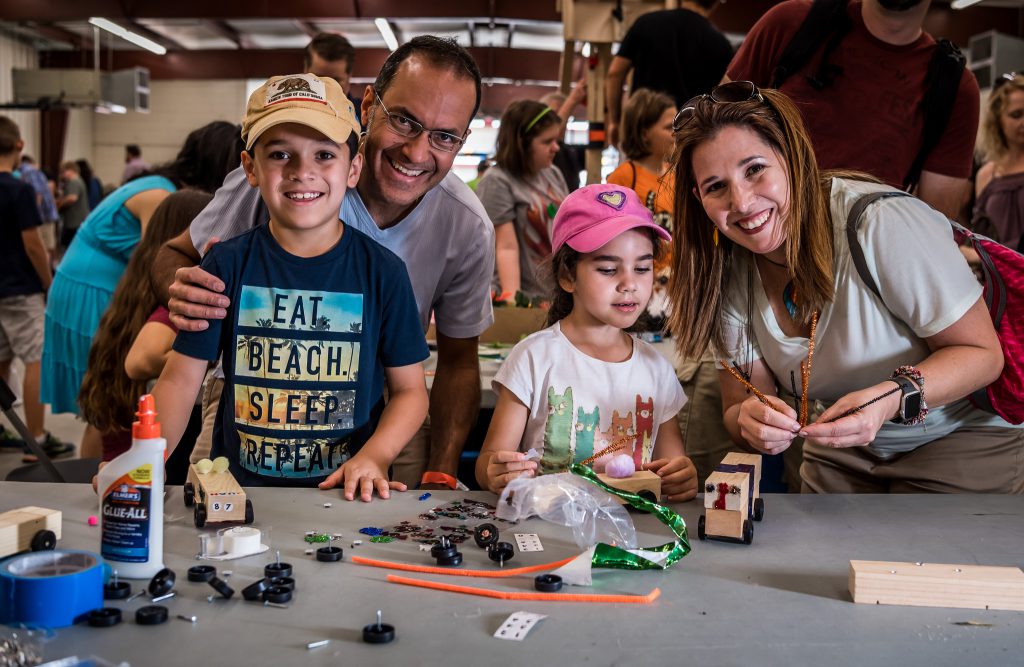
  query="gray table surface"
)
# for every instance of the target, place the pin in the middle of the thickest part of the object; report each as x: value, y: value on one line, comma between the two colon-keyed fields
x: 781, y: 601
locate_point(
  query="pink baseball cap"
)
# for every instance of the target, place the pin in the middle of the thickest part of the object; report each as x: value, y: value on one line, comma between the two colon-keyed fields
x: 595, y: 214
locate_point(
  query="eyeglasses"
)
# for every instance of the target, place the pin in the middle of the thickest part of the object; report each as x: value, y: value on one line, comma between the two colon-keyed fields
x: 407, y: 127
x: 726, y: 93
x: 1003, y: 80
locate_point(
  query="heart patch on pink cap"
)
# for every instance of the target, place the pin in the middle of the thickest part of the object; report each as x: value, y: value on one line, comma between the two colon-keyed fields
x: 614, y: 198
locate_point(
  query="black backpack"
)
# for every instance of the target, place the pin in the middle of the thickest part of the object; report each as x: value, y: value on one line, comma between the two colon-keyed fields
x: 827, y: 24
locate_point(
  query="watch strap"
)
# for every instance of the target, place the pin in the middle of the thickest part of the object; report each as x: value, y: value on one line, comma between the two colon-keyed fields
x: 906, y: 387
x: 433, y: 477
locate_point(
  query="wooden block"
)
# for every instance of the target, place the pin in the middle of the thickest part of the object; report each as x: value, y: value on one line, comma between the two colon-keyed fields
x: 733, y: 501
x: 937, y: 585
x: 19, y: 526
x: 739, y: 458
x: 641, y: 480
x: 724, y: 523
x: 224, y: 498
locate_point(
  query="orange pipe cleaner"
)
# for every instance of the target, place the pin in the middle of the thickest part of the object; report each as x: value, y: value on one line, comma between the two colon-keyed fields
x: 521, y: 595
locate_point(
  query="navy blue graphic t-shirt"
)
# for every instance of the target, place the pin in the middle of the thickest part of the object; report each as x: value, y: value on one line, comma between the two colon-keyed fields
x: 305, y: 344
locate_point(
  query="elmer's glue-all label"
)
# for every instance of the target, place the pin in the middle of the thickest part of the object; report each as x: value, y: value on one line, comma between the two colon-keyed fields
x: 132, y: 501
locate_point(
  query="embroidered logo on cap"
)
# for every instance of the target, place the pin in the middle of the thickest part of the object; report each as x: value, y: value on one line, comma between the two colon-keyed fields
x: 614, y: 198
x: 298, y: 88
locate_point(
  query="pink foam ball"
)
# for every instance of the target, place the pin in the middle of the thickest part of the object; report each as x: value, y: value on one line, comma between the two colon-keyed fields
x: 93, y: 521
x: 620, y: 466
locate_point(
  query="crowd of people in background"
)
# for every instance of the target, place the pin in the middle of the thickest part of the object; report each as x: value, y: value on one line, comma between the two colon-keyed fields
x: 739, y: 158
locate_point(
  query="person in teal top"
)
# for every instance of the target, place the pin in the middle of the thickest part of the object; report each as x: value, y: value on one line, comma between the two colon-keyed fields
x: 97, y: 257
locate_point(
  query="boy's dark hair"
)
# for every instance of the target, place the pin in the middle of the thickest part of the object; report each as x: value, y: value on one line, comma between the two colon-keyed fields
x: 513, y: 152
x: 10, y: 135
x: 708, y: 4
x: 133, y: 150
x: 444, y: 53
x: 331, y: 47
x: 563, y: 263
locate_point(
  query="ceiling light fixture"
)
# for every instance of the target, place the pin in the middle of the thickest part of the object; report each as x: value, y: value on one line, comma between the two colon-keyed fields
x: 387, y: 33
x: 128, y: 35
x: 962, y: 4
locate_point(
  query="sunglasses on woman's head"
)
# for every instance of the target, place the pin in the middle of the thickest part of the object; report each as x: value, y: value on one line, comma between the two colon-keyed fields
x: 1003, y: 80
x: 726, y: 93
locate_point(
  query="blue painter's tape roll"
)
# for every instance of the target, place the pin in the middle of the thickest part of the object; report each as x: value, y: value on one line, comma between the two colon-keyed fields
x: 50, y: 589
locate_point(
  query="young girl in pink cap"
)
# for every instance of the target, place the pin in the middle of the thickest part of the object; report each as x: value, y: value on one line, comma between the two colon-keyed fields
x: 584, y: 384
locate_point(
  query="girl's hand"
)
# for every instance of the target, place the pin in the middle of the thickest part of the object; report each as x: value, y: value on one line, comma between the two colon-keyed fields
x: 505, y: 466
x: 364, y: 474
x: 767, y: 430
x: 678, y: 478
x: 857, y: 429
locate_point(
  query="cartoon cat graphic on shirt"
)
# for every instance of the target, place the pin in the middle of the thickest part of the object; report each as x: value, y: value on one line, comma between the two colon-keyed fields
x: 557, y: 433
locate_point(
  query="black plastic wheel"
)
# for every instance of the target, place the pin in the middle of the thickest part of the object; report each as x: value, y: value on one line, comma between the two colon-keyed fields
x: 200, y: 515
x: 453, y: 560
x: 254, y: 591
x: 116, y: 590
x: 189, y: 494
x: 105, y: 617
x: 162, y: 582
x: 44, y: 540
x: 378, y: 634
x: 701, y: 528
x: 648, y: 495
x: 250, y: 516
x: 221, y: 587
x: 201, y: 573
x: 329, y: 554
x: 758, y: 509
x: 277, y: 569
x: 485, y: 535
x: 547, y: 583
x: 443, y: 549
x: 277, y: 595
x: 151, y: 615
x: 499, y: 552
x: 283, y: 582
x: 748, y: 531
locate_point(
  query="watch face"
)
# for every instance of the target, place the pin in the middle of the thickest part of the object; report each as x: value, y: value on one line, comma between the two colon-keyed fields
x: 911, y: 405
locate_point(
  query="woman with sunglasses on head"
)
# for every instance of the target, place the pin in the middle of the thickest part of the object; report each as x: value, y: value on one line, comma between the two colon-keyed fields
x: 763, y: 272
x: 521, y: 194
x: 999, y: 186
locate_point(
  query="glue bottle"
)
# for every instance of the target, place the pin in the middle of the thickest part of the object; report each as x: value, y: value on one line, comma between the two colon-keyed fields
x: 132, y: 500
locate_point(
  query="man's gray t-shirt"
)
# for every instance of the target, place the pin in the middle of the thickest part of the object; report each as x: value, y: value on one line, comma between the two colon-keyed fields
x: 73, y: 215
x: 446, y: 242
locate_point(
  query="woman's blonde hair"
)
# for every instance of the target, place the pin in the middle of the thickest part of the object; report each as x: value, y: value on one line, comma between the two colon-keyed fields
x: 701, y: 267
x: 644, y: 109
x: 993, y: 141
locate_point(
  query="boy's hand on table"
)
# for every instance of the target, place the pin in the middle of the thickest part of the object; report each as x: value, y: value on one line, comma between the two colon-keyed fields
x: 362, y: 475
x: 96, y: 477
x: 505, y: 466
x: 678, y: 478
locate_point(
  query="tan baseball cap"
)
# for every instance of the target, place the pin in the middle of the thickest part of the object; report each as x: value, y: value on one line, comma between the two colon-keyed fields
x: 306, y: 99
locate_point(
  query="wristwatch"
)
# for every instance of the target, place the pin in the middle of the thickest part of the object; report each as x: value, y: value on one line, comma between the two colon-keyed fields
x: 431, y: 477
x: 910, y: 401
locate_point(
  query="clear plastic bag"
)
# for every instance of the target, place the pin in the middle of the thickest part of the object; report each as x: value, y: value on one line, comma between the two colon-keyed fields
x: 567, y: 500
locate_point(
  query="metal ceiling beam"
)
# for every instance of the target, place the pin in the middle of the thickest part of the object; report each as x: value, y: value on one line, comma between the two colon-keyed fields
x: 515, y: 64
x: 77, y: 10
x: 158, y: 37
x: 307, y: 27
x: 58, y: 34
x: 225, y: 30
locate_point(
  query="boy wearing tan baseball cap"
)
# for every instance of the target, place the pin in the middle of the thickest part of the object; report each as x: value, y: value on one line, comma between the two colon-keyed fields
x: 321, y: 315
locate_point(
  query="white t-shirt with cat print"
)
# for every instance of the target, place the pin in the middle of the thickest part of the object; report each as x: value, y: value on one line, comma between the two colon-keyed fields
x: 579, y: 405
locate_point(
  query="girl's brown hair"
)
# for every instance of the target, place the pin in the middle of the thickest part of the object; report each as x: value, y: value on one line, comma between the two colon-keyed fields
x: 563, y: 263
x: 701, y: 268
x: 644, y: 109
x: 993, y: 141
x: 513, y: 151
x: 108, y: 396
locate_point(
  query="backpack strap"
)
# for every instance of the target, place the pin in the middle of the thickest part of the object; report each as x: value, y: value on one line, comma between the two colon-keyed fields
x: 826, y: 19
x: 941, y: 86
x: 853, y: 219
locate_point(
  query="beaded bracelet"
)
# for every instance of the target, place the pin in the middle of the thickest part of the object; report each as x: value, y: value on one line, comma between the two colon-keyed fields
x: 911, y: 373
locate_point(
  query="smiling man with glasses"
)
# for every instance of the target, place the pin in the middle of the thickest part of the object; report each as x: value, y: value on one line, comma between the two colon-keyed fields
x: 416, y: 115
